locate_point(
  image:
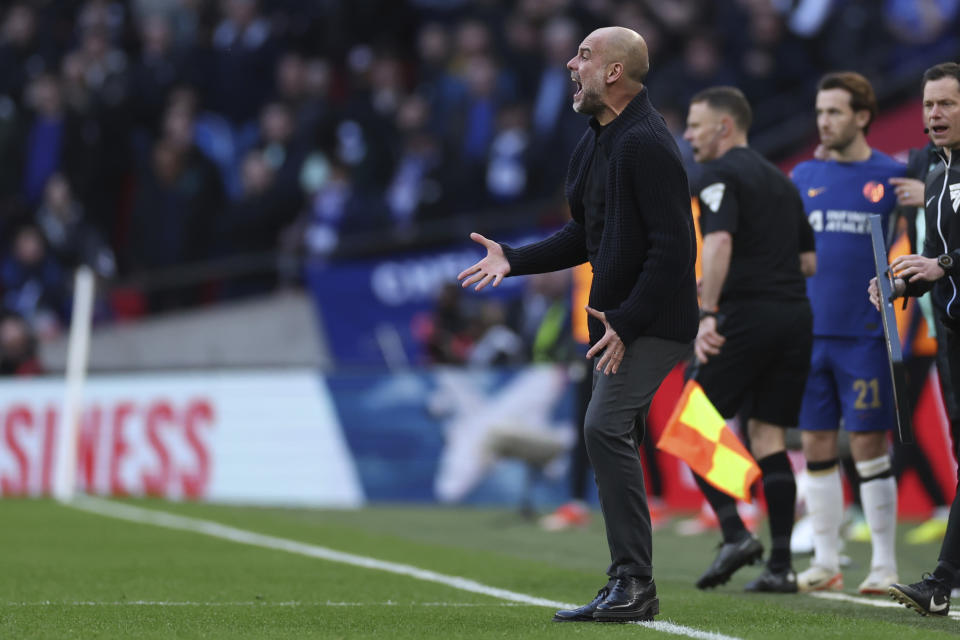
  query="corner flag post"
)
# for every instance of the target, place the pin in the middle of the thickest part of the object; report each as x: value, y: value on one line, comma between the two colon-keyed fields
x: 894, y: 352
x: 65, y: 466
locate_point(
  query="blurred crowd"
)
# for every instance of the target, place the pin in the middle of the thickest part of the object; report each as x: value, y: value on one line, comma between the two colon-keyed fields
x: 483, y: 331
x: 138, y: 136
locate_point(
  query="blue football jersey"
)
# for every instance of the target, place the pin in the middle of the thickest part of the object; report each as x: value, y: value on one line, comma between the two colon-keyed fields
x: 838, y: 198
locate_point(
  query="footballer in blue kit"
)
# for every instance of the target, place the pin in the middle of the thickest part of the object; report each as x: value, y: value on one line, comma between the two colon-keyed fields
x: 850, y: 375
x: 849, y: 381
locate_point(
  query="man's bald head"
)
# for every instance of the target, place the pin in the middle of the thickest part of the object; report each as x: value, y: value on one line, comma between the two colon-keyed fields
x: 619, y: 44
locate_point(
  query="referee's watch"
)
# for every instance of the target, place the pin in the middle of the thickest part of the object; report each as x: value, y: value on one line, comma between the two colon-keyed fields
x: 946, y: 262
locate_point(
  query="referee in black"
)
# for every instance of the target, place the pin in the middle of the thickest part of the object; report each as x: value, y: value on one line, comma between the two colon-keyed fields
x: 630, y: 208
x: 755, y: 336
x: 938, y: 268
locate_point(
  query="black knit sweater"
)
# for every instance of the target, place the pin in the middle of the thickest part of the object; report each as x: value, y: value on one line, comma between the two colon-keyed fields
x: 643, y: 273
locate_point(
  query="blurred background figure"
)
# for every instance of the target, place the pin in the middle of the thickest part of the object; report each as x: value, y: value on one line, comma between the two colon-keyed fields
x: 72, y: 240
x: 33, y: 283
x: 18, y: 347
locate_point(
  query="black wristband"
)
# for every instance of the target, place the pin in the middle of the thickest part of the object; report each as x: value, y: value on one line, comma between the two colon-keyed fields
x: 708, y: 313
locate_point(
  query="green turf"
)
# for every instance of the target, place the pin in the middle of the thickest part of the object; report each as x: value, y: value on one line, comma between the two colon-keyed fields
x: 70, y: 574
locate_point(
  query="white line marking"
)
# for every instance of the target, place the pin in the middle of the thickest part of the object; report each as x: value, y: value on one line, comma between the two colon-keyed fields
x: 870, y: 602
x: 217, y: 530
x: 292, y: 603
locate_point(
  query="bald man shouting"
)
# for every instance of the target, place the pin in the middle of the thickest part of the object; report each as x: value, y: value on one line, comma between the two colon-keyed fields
x: 630, y: 208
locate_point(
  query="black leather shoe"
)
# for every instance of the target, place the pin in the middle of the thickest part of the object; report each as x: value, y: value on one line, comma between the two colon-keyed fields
x: 631, y: 599
x: 584, y: 613
x: 782, y: 581
x: 731, y: 557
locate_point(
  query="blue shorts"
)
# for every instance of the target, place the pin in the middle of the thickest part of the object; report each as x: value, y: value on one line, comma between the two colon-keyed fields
x: 849, y: 378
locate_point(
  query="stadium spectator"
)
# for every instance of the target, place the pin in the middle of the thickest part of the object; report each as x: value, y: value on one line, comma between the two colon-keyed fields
x: 50, y: 136
x: 22, y: 54
x: 157, y: 70
x: 419, y: 188
x: 494, y: 342
x: 71, y: 238
x: 339, y: 209
x: 242, y: 59
x: 555, y: 128
x: 284, y: 153
x: 33, y: 283
x: 179, y: 196
x: 509, y: 162
x: 446, y: 336
x: 18, y: 347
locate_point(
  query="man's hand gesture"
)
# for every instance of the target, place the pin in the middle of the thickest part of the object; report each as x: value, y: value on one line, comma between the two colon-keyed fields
x: 611, y: 345
x: 709, y: 341
x: 494, y: 266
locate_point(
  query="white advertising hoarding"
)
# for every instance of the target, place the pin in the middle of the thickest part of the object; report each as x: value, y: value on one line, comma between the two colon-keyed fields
x: 259, y: 437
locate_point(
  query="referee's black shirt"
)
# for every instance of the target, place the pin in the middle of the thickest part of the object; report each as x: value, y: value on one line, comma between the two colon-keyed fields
x: 744, y: 194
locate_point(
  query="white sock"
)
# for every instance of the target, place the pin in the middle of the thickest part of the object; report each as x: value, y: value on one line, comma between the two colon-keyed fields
x: 825, y: 506
x: 879, y: 498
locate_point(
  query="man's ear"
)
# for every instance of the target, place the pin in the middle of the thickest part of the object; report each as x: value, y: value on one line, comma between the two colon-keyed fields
x: 862, y: 117
x: 614, y: 71
x: 726, y: 123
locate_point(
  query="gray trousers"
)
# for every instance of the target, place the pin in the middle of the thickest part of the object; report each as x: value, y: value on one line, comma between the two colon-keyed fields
x: 612, y: 434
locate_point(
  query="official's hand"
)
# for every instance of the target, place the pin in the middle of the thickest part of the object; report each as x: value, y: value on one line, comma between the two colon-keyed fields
x: 611, y: 345
x: 493, y: 268
x: 873, y: 290
x: 909, y: 191
x: 709, y: 341
x: 914, y: 267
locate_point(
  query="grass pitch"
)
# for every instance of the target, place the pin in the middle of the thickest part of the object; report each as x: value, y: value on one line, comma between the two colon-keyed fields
x: 67, y: 573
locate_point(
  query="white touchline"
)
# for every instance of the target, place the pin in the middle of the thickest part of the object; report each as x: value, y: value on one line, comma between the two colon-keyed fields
x: 252, y: 603
x: 217, y: 530
x: 870, y: 602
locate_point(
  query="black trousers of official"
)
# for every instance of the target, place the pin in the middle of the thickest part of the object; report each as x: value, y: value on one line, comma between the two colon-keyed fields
x: 950, y: 550
x: 612, y: 434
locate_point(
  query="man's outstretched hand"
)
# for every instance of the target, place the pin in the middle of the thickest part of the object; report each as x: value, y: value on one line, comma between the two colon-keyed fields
x: 494, y: 267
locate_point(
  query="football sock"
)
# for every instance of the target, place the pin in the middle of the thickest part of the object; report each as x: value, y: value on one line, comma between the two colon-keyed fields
x: 780, y: 489
x: 878, y: 494
x: 725, y: 507
x: 825, y: 507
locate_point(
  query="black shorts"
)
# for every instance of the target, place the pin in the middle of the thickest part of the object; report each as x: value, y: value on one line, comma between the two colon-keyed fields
x: 762, y: 367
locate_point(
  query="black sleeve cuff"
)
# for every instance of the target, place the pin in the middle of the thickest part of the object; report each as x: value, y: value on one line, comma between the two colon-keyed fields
x: 954, y: 271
